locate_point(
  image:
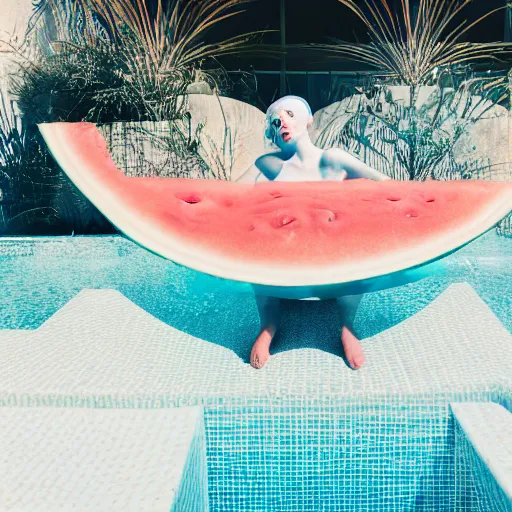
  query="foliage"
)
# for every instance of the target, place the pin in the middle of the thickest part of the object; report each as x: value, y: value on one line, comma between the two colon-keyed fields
x: 88, y: 82
x: 37, y: 197
x: 402, y: 138
x: 116, y: 60
x: 412, y: 48
x: 175, y: 39
x: 414, y: 141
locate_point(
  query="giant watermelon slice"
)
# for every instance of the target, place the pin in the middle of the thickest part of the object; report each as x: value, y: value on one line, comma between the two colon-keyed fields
x: 289, y: 239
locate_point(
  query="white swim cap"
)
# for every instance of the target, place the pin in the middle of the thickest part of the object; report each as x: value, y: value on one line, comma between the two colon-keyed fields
x: 299, y: 106
x: 296, y: 104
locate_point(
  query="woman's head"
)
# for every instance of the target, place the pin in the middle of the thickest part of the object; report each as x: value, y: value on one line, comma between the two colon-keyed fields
x: 288, y: 120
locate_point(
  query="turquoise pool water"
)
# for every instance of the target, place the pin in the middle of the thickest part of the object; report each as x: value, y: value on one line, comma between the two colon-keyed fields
x: 353, y: 448
x: 39, y: 275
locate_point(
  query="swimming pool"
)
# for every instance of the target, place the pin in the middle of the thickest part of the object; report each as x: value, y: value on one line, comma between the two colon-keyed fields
x: 39, y: 275
x: 307, y: 434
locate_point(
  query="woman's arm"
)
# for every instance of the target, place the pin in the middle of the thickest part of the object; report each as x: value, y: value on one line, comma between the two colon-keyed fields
x: 340, y: 160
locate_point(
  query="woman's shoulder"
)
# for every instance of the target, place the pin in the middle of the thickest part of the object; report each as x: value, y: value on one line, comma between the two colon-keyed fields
x: 276, y: 156
x: 333, y: 155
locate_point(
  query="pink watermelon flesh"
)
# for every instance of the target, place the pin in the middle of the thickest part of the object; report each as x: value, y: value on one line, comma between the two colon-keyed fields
x: 281, y: 233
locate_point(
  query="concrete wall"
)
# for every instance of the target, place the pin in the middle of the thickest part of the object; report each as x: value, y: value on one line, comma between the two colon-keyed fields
x: 14, y: 18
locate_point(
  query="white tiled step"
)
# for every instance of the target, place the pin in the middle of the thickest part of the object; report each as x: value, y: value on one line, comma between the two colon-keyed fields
x: 101, y: 460
x: 488, y: 427
x: 102, y: 348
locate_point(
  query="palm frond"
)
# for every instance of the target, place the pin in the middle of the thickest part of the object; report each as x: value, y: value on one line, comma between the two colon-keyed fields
x: 173, y: 38
x: 409, y: 48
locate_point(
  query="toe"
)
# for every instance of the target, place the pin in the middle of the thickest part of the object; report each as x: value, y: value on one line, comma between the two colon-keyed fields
x: 259, y: 360
x: 356, y: 362
x: 256, y: 361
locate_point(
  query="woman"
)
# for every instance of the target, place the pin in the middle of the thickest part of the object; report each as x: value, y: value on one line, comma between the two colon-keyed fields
x: 298, y: 159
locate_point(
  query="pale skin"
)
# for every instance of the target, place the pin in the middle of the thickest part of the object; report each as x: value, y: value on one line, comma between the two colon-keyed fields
x: 306, y: 162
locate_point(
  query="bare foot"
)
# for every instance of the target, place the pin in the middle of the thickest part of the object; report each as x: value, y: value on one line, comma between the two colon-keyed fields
x: 260, y: 350
x: 353, y: 350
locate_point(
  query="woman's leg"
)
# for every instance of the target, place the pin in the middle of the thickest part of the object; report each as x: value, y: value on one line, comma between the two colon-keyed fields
x: 268, y: 309
x: 347, y: 307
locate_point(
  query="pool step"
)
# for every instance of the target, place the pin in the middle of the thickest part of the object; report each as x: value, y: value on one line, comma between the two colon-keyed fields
x: 102, y: 460
x: 484, y: 445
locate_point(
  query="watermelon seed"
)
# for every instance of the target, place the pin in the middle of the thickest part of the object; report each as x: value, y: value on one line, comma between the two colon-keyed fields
x: 393, y: 199
x: 429, y: 200
x: 285, y: 220
x: 332, y: 217
x: 251, y: 228
x: 191, y: 200
x: 411, y: 214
